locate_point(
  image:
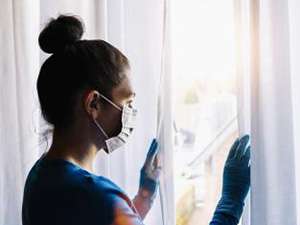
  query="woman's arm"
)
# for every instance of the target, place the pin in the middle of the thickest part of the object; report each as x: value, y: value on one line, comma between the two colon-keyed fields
x: 142, y: 205
x: 149, y: 180
x: 124, y: 214
x: 236, y: 184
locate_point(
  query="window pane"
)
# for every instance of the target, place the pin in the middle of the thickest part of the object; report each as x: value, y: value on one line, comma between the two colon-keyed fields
x: 205, y: 103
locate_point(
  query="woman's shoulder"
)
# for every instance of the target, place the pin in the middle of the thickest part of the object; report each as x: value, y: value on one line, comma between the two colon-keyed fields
x: 59, y: 185
x: 101, y: 184
x: 60, y: 173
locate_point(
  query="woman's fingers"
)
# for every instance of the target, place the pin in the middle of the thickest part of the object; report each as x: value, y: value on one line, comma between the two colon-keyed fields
x: 246, y: 156
x: 152, y: 153
x: 151, y: 148
x: 242, y: 146
x: 150, y: 165
x: 233, y: 148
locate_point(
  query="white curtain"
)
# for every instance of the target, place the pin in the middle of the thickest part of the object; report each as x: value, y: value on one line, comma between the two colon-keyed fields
x: 19, y: 59
x: 139, y: 30
x: 268, y: 84
x: 165, y: 124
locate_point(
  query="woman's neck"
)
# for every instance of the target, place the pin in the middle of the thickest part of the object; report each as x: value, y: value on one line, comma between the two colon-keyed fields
x: 74, y: 147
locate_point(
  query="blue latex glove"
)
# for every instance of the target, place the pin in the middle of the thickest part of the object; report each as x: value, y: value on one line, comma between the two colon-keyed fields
x: 236, y: 179
x: 149, y: 175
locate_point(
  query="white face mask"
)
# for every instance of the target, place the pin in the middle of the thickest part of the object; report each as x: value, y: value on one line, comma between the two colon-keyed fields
x: 128, y: 124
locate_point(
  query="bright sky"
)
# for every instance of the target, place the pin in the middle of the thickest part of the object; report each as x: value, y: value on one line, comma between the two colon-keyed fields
x: 203, y: 49
x: 202, y: 34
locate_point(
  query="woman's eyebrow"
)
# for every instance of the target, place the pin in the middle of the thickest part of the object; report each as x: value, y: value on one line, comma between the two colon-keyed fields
x: 129, y: 95
x: 132, y: 94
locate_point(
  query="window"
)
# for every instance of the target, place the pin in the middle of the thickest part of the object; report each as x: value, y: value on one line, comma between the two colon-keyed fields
x: 205, y: 104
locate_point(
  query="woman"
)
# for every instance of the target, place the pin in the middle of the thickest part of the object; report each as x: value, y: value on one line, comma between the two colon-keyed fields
x: 85, y: 93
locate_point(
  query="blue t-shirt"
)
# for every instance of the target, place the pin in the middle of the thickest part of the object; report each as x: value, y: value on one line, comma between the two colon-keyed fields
x: 58, y: 192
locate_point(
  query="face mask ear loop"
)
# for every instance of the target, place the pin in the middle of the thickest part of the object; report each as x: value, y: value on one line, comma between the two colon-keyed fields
x: 109, y: 155
x: 106, y: 136
x: 116, y: 106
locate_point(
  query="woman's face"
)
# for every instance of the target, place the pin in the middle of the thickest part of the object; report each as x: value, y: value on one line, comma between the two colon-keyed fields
x: 106, y: 115
x: 123, y: 94
x: 110, y: 118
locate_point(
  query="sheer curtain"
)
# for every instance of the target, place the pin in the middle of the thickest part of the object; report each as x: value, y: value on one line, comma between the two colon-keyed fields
x: 18, y: 71
x: 268, y: 83
x: 139, y: 30
x: 165, y: 123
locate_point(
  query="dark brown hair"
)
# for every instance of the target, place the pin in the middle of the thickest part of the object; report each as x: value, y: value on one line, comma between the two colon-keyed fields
x: 75, y: 65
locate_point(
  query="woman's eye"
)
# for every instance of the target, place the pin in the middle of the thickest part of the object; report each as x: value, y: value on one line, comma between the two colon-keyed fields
x: 130, y: 103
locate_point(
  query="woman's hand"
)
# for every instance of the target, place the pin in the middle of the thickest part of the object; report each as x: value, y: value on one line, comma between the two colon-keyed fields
x: 149, y: 174
x: 236, y: 178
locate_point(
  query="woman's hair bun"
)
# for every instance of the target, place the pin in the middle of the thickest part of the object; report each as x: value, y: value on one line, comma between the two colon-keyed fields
x: 60, y: 32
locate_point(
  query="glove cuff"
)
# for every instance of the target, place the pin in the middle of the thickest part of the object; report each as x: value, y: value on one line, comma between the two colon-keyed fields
x: 231, y: 207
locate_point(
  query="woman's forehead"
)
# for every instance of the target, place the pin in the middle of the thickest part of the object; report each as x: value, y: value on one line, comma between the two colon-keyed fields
x: 124, y: 90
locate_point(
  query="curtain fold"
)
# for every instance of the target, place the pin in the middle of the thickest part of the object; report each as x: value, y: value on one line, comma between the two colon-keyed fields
x: 267, y: 73
x: 137, y: 29
x: 294, y: 18
x: 165, y: 124
x: 18, y: 111
x: 241, y: 18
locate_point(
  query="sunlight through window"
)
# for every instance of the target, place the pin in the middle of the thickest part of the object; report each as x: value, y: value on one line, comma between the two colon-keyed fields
x: 205, y: 103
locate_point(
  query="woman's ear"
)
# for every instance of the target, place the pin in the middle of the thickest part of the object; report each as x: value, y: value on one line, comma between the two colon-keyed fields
x: 91, y: 103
